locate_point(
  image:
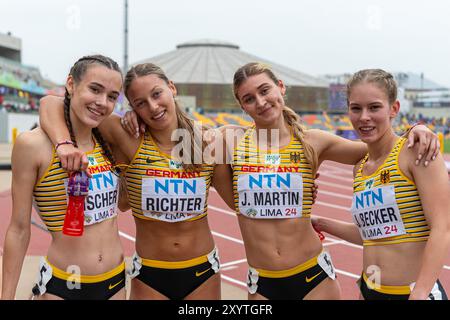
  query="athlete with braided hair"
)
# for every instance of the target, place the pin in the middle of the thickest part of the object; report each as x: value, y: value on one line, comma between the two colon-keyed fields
x: 90, y: 266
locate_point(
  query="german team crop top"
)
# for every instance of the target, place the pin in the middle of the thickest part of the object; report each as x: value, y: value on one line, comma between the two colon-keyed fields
x: 159, y: 188
x: 386, y: 205
x: 271, y: 185
x: 50, y: 197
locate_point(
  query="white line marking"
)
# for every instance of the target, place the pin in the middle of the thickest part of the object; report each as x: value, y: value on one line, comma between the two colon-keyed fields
x: 228, y: 268
x: 334, y: 194
x: 127, y: 236
x: 220, y: 235
x: 243, y: 284
x: 231, y: 263
x: 335, y: 206
x: 333, y: 176
x: 229, y: 212
x: 348, y: 274
x: 331, y: 184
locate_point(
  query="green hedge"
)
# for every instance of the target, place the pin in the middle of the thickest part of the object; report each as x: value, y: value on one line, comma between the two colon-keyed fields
x: 447, y: 146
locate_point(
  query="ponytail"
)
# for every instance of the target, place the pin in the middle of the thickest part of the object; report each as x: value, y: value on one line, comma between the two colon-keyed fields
x: 293, y: 120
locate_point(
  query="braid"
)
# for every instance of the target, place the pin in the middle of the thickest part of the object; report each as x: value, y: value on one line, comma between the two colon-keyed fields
x: 105, y: 147
x: 77, y: 72
x: 196, y: 142
x: 67, y: 117
x: 112, y: 160
x: 293, y: 120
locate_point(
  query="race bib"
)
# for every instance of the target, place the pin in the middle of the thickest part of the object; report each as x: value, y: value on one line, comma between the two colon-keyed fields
x: 376, y: 213
x: 270, y: 195
x: 172, y: 200
x: 102, y: 199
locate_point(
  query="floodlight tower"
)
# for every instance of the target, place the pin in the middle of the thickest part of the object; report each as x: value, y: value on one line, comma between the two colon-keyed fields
x: 125, y: 44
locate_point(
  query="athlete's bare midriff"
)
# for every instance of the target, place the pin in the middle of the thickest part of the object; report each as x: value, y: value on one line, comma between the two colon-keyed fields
x: 97, y: 251
x: 398, y: 264
x: 279, y: 244
x: 178, y: 241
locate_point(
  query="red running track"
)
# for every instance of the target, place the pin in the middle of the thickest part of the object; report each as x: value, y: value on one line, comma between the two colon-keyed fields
x: 334, y: 199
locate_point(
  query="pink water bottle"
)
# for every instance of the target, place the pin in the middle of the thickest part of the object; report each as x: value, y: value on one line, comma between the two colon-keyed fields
x: 77, y: 190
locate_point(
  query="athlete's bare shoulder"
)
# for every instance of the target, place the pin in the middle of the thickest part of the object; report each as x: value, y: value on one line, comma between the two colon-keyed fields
x: 34, y: 146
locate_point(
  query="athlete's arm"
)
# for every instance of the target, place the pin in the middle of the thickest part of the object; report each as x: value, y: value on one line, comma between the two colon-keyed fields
x: 222, y: 181
x: 51, y: 118
x: 24, y: 175
x: 215, y: 152
x: 332, y: 147
x: 335, y: 148
x: 434, y: 191
x: 343, y: 230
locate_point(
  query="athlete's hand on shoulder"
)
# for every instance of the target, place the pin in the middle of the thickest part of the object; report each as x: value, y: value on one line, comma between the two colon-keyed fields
x: 429, y: 145
x: 132, y: 123
x: 72, y: 158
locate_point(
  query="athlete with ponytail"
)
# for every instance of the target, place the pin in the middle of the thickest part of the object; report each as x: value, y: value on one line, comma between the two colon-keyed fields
x: 175, y: 257
x: 90, y: 266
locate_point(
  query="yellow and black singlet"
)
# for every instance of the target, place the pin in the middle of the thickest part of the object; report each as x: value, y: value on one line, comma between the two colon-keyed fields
x: 160, y: 189
x: 50, y: 197
x: 273, y: 184
x: 386, y: 205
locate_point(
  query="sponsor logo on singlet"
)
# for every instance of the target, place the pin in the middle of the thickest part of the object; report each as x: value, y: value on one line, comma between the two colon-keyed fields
x: 272, y: 159
x: 175, y: 164
x: 376, y: 213
x: 270, y: 195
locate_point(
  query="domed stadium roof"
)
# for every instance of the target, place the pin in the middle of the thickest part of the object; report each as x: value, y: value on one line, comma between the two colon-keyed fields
x: 210, y: 61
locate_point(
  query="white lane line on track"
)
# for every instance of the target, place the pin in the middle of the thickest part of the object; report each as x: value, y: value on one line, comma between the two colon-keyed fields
x: 348, y: 274
x: 229, y: 212
x: 228, y: 268
x: 242, y: 284
x: 232, y: 263
x: 331, y: 184
x: 334, y: 194
x: 127, y: 236
x: 220, y: 235
x: 335, y: 206
x: 333, y: 176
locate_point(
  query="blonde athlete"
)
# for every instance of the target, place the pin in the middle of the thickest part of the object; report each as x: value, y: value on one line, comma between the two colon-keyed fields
x: 176, y: 257
x: 272, y: 190
x: 90, y: 266
x: 400, y: 211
